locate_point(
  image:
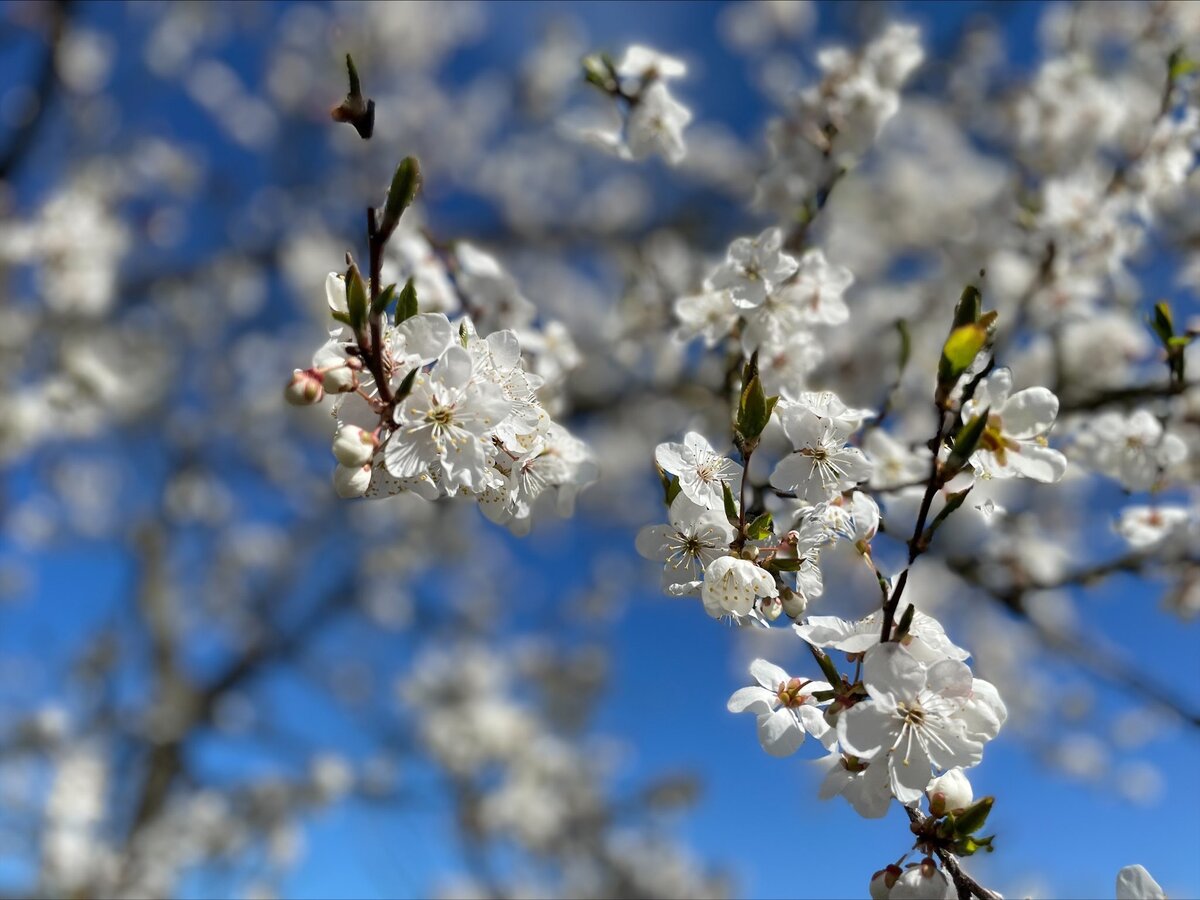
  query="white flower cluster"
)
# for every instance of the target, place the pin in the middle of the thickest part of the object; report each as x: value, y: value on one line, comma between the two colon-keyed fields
x: 774, y: 301
x: 651, y: 119
x: 834, y: 122
x: 530, y: 786
x: 461, y: 415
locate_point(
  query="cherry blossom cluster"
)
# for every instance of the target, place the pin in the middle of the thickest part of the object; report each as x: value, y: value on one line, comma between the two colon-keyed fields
x: 429, y: 406
x: 913, y: 716
x: 650, y: 121
x: 834, y: 122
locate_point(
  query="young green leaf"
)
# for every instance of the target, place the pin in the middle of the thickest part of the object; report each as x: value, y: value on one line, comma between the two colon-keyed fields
x: 356, y: 298
x: 731, y: 508
x: 405, y: 183
x: 380, y: 304
x: 760, y: 528
x: 406, y: 305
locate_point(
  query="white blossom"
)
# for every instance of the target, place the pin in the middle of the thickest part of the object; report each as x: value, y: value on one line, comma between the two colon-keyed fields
x: 785, y: 708
x: 1014, y: 442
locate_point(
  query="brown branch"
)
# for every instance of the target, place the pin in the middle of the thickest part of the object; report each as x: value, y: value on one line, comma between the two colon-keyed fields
x: 1090, y: 656
x: 45, y: 85
x: 966, y: 886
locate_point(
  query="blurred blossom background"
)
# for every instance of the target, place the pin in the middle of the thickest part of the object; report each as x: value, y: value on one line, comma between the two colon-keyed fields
x: 221, y: 680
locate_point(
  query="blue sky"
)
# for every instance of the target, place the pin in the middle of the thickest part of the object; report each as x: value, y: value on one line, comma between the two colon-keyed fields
x: 667, y: 704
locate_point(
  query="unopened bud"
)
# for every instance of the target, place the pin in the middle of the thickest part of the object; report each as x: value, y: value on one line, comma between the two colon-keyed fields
x: 749, y: 552
x: 883, y: 881
x: 354, y: 446
x: 304, y: 389
x: 771, y: 608
x: 794, y: 603
x: 352, y: 481
x: 925, y: 880
x: 340, y: 380
x: 949, y: 791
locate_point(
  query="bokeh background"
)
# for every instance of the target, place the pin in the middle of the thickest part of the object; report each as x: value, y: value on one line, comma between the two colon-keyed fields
x: 190, y: 612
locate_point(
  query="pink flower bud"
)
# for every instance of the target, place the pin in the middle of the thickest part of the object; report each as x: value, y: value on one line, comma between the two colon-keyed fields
x: 304, y: 389
x: 340, y: 380
x: 352, y: 446
x: 352, y: 481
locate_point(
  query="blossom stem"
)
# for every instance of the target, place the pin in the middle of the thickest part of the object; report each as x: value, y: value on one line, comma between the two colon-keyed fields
x: 966, y: 886
x: 374, y: 353
x: 915, y: 547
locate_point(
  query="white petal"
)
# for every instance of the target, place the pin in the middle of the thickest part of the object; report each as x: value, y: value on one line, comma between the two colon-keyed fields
x: 768, y: 674
x: 864, y: 729
x: 1037, y: 462
x: 751, y: 699
x: 454, y: 367
x: 652, y: 541
x: 890, y: 669
x: 1135, y: 883
x: 1029, y: 413
x: 426, y: 336
x: 779, y: 733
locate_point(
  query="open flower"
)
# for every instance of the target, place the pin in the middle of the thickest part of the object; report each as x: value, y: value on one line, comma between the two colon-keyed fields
x: 754, y: 268
x: 695, y: 537
x: 1013, y: 442
x: 823, y: 465
x: 701, y: 470
x: 446, y: 420
x: 785, y: 707
x: 914, y: 719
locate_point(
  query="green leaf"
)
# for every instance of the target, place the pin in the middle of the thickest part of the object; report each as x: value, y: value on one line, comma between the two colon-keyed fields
x: 974, y: 817
x: 828, y: 669
x: 754, y: 407
x: 598, y: 71
x: 355, y: 85
x: 731, y: 508
x: 760, y: 528
x: 970, y: 306
x: 792, y: 564
x: 1179, y: 65
x: 356, y: 298
x: 380, y: 303
x: 969, y: 846
x: 672, y: 488
x: 906, y: 621
x: 406, y: 305
x: 355, y: 110
x: 1163, y: 322
x: 406, y: 385
x: 905, y: 343
x: 960, y: 350
x: 953, y: 502
x: 340, y: 316
x: 967, y: 441
x: 405, y: 183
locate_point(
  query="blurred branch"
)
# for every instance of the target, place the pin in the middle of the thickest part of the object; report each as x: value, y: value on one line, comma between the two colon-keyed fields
x: 966, y: 886
x: 44, y: 86
x: 1088, y: 654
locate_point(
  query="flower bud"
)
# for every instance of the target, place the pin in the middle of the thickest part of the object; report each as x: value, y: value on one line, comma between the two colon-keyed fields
x: 353, y: 446
x: 339, y: 380
x: 304, y: 389
x: 923, y: 882
x: 883, y: 881
x: 771, y: 608
x: 352, y: 481
x: 949, y: 791
x: 794, y: 603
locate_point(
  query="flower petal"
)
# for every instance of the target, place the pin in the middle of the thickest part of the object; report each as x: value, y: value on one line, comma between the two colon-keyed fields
x: 1029, y: 413
x: 779, y: 733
